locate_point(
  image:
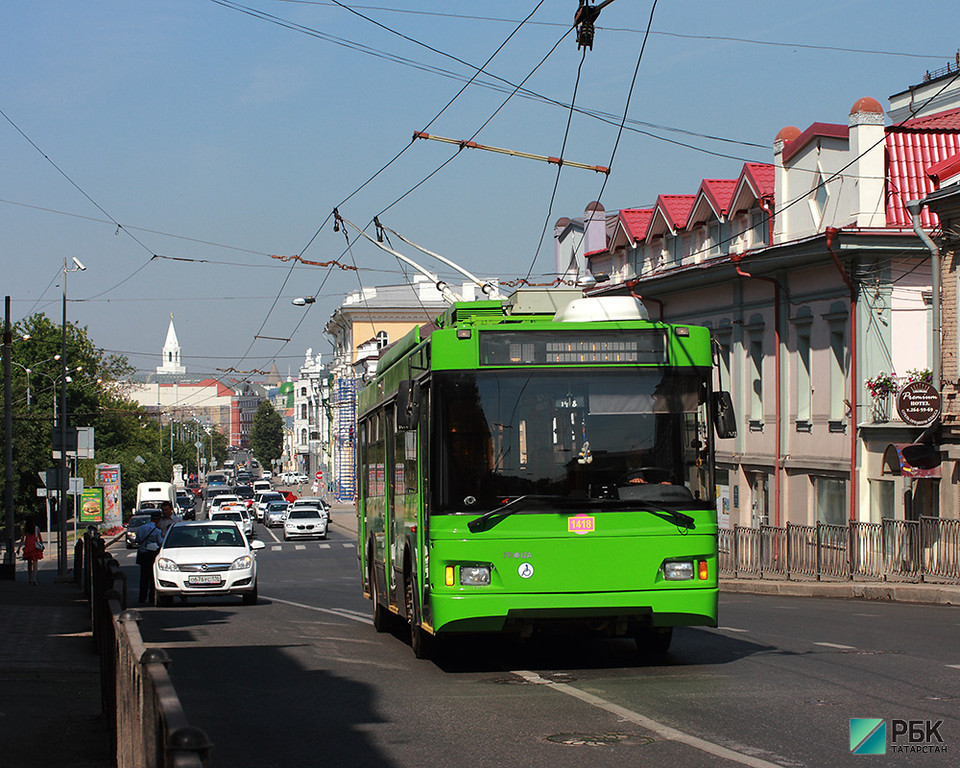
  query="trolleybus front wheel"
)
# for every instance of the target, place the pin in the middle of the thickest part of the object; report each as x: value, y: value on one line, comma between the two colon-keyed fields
x: 421, y: 641
x: 654, y: 641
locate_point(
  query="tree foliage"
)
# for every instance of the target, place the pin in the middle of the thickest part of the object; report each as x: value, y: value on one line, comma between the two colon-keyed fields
x: 266, y: 434
x: 125, y: 433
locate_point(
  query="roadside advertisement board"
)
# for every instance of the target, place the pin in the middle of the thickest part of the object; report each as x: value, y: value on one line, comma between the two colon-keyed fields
x: 91, y: 505
x: 108, y: 478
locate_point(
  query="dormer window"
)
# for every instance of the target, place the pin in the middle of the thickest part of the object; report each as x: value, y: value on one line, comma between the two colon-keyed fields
x: 818, y: 198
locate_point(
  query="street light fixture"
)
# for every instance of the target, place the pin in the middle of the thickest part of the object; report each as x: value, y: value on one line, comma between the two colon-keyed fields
x: 64, y: 479
x: 302, y: 301
x: 30, y: 370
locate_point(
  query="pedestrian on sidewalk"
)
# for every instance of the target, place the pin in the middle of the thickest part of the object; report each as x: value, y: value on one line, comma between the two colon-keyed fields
x: 148, y: 544
x: 31, y: 548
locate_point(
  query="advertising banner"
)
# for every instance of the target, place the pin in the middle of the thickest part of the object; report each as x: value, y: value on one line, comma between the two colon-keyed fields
x: 91, y: 505
x: 108, y: 478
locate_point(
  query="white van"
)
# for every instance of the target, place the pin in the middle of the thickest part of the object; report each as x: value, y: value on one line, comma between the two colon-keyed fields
x: 150, y: 495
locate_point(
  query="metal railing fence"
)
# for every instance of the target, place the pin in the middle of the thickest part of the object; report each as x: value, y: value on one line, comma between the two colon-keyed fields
x: 906, y: 550
x: 149, y: 727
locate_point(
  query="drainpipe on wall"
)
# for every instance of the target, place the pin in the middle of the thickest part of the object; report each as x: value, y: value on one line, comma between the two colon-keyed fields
x: 914, y: 207
x: 737, y: 258
x: 831, y: 233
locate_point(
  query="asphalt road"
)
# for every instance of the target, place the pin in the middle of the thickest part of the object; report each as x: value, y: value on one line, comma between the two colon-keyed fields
x: 303, y: 679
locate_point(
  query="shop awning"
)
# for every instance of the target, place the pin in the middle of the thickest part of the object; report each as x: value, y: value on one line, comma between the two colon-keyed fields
x: 912, y: 459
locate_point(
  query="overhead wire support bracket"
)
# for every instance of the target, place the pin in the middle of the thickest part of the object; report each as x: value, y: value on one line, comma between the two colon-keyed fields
x: 584, y: 20
x: 512, y: 152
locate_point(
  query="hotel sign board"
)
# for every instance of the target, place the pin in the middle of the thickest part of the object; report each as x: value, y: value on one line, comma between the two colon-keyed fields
x: 919, y: 404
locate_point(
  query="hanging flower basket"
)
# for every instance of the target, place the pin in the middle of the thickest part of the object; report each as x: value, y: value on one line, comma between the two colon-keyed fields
x: 882, y: 385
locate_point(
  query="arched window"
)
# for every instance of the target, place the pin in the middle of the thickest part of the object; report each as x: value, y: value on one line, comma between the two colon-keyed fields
x: 303, y: 436
x: 303, y: 411
x: 170, y: 357
x: 303, y: 391
x: 383, y: 338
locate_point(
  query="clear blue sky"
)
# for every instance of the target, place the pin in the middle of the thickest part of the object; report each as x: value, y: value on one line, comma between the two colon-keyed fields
x: 216, y: 137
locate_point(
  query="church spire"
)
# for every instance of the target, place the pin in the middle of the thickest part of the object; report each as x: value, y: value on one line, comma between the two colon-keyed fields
x: 171, y: 353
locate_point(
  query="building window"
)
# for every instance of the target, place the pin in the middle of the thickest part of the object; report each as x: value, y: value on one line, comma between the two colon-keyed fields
x: 804, y: 381
x: 830, y: 498
x: 837, y: 377
x: 303, y: 391
x: 303, y: 411
x: 758, y: 228
x: 882, y: 500
x: 714, y: 238
x: 756, y: 381
x: 383, y: 339
x: 303, y: 437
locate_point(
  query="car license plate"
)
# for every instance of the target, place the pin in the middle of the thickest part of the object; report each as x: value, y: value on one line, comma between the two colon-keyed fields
x: 204, y: 579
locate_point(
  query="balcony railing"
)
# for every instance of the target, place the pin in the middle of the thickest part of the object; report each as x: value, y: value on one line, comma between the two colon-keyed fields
x: 903, y: 550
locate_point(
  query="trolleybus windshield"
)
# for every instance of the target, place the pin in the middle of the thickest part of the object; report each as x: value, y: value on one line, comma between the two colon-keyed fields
x: 626, y: 434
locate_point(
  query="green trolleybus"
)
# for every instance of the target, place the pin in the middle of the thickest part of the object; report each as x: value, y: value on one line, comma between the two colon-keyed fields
x: 540, y: 463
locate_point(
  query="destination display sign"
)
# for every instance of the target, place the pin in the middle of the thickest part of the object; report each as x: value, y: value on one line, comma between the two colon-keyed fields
x: 919, y: 404
x: 565, y: 348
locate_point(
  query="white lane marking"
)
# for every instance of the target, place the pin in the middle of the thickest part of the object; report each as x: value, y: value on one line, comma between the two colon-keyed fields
x: 324, y: 546
x: 664, y: 731
x: 272, y: 534
x: 300, y: 546
x: 276, y: 548
x: 954, y: 666
x: 348, y: 545
x: 837, y: 645
x: 733, y: 629
x: 352, y: 615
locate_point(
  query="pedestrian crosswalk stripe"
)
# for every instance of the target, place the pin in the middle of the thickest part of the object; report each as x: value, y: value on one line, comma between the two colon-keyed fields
x: 300, y: 546
x: 324, y: 546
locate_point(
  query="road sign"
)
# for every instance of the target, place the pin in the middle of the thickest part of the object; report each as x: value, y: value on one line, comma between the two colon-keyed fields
x: 319, y: 474
x: 198, y: 444
x: 918, y: 403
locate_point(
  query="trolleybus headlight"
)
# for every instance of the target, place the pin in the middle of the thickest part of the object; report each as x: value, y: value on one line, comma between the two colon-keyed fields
x: 678, y: 570
x: 475, y: 575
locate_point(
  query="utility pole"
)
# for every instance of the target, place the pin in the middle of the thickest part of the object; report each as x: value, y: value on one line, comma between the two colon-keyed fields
x: 9, y: 565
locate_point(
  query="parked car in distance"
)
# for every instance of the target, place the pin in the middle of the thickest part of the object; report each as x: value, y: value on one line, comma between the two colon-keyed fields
x: 219, y: 501
x: 185, y: 505
x: 275, y: 513
x: 237, y: 516
x: 265, y: 498
x: 206, y: 558
x: 130, y: 537
x: 312, y: 501
x: 266, y: 474
x: 305, y: 523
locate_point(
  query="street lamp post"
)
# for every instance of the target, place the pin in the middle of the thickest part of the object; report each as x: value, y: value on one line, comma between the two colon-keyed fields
x: 64, y: 479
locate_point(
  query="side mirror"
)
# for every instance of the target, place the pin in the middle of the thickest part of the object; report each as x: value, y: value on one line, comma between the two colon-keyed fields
x: 724, y: 419
x: 408, y: 405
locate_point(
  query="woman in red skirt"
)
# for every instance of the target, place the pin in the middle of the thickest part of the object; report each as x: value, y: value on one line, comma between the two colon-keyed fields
x: 31, y: 545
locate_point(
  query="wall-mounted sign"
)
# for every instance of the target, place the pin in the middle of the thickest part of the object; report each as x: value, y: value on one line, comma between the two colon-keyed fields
x: 918, y: 404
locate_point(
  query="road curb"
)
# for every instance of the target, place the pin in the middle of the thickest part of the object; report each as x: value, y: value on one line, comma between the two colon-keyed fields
x: 930, y: 594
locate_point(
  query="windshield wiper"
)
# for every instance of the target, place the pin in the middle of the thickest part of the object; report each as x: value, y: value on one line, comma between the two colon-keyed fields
x: 494, y: 516
x: 481, y: 523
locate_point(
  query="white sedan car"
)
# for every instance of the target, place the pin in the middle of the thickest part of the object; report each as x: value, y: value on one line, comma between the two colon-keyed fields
x: 305, y: 523
x: 206, y: 558
x: 237, y: 515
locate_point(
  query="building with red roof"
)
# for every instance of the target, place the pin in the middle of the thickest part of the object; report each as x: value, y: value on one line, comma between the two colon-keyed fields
x: 815, y: 285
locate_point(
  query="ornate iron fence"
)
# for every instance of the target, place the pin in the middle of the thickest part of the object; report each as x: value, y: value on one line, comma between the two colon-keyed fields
x: 905, y: 550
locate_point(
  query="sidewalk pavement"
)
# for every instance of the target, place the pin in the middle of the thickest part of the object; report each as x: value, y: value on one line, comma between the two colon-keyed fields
x: 50, y: 708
